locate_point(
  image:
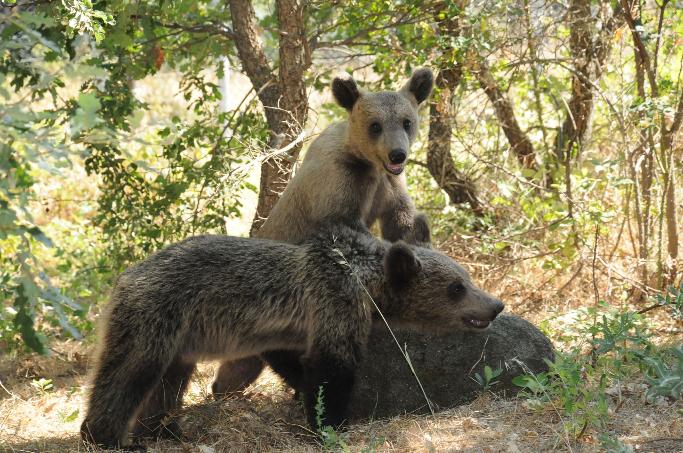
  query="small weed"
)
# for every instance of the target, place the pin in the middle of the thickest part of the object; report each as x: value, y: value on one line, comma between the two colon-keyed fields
x: 68, y: 417
x: 619, y: 348
x: 42, y: 385
x: 487, y: 380
x: 331, y: 440
x: 664, y: 380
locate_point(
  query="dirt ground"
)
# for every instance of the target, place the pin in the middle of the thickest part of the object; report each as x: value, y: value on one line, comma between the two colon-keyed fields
x: 266, y: 418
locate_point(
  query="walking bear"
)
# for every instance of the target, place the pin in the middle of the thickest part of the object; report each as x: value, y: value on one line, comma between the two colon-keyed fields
x: 352, y: 174
x: 222, y: 297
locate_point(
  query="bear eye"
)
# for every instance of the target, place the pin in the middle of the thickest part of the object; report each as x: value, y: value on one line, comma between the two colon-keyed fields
x: 456, y: 290
x: 375, y: 128
x: 407, y: 125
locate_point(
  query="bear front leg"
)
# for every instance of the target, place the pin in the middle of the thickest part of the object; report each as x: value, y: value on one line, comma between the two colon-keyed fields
x: 327, y: 384
x: 396, y: 220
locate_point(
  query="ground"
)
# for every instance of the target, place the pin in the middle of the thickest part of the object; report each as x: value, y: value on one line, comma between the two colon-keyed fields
x: 37, y: 417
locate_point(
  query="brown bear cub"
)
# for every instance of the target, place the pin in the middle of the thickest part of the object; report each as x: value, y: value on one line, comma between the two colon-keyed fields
x: 211, y: 297
x: 352, y: 174
x: 353, y: 171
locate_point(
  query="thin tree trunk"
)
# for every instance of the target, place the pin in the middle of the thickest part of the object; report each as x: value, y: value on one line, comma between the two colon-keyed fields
x: 439, y: 159
x: 589, y: 59
x: 669, y: 163
x: 283, y: 96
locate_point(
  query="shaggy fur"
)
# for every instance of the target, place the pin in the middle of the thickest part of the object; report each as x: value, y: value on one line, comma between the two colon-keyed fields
x: 222, y: 297
x: 347, y: 177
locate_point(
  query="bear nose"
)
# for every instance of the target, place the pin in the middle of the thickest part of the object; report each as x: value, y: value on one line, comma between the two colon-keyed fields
x: 498, y: 306
x: 397, y: 156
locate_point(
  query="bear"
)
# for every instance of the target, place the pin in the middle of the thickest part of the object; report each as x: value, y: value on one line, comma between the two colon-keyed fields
x: 225, y: 297
x: 353, y: 171
x: 352, y: 174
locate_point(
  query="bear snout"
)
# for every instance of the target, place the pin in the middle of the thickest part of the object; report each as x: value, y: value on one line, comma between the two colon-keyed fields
x: 398, y: 156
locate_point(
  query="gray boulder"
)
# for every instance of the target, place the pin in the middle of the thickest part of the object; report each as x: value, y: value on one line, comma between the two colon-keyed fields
x: 446, y: 366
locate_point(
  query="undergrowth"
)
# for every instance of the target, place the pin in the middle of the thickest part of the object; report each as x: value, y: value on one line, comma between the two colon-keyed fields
x: 611, y: 357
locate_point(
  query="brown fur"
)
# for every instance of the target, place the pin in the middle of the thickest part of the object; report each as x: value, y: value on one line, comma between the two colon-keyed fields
x: 346, y: 178
x: 221, y: 297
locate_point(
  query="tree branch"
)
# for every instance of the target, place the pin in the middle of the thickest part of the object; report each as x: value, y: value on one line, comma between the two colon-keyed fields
x: 251, y: 53
x: 519, y: 142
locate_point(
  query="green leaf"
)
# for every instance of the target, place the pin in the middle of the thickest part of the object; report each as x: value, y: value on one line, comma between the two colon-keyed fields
x: 89, y: 103
x: 24, y: 323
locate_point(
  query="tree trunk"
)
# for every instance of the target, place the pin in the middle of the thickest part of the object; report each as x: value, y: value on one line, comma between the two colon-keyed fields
x: 588, y: 60
x: 670, y: 208
x: 283, y: 96
x: 439, y: 159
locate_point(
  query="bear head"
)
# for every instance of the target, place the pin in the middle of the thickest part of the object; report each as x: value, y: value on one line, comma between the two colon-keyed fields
x: 382, y: 125
x: 428, y: 290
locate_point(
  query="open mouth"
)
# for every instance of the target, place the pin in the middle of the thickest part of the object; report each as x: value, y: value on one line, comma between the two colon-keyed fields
x: 476, y: 323
x: 394, y: 169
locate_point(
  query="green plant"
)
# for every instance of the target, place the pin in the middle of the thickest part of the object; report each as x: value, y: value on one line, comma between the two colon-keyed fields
x: 611, y: 445
x: 487, y: 380
x: 666, y: 380
x: 619, y: 347
x: 68, y: 417
x: 331, y: 440
x: 42, y: 385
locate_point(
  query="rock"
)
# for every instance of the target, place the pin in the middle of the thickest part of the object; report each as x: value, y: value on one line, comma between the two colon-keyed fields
x: 446, y: 366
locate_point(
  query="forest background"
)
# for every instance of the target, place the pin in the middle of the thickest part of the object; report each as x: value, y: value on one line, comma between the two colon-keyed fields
x: 549, y: 163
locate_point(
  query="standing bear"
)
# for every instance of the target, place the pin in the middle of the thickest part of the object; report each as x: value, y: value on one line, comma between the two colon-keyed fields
x: 352, y: 174
x: 222, y: 297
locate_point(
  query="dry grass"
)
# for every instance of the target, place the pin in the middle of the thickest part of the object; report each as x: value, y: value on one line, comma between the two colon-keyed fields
x: 266, y: 418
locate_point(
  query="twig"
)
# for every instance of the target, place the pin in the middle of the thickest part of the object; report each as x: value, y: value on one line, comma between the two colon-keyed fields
x: 483, y: 350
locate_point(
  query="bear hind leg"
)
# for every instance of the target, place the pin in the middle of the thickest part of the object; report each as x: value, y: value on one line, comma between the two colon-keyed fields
x: 120, y: 387
x: 287, y: 364
x: 166, y: 397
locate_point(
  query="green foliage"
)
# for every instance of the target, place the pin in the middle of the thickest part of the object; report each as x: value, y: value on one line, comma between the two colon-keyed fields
x: 611, y: 445
x: 666, y: 380
x: 68, y: 417
x: 619, y: 348
x: 38, y: 58
x: 67, y: 71
x: 43, y: 385
x: 331, y: 440
x: 487, y: 380
x: 672, y: 298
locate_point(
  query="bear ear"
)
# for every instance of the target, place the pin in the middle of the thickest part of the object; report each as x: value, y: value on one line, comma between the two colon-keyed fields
x: 421, y: 233
x: 420, y: 85
x: 345, y: 91
x: 401, y: 266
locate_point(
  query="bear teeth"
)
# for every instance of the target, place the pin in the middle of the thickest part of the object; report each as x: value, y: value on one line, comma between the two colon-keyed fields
x: 477, y: 323
x: 395, y: 169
